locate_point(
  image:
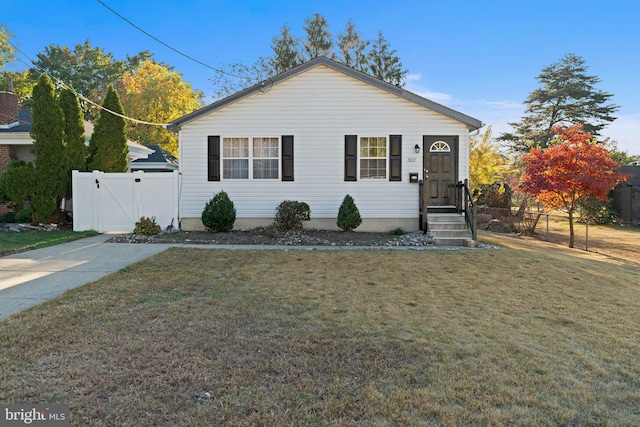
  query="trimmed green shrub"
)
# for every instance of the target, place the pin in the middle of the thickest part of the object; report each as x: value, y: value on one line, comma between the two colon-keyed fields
x: 8, y: 217
x: 24, y: 215
x: 348, y: 215
x: 596, y: 211
x: 399, y: 231
x: 147, y: 227
x: 17, y: 183
x: 219, y: 214
x: 290, y: 214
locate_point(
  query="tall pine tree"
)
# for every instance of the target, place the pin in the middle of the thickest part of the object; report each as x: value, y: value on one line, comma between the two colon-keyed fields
x: 567, y: 96
x: 384, y: 64
x: 318, y: 42
x: 108, y: 151
x: 375, y: 58
x: 286, y: 51
x: 47, y: 131
x: 353, y: 48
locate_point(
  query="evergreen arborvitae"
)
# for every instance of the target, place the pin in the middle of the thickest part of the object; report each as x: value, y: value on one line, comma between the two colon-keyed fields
x: 219, y: 214
x: 348, y: 215
x: 108, y: 151
x: 76, y: 150
x: 47, y: 131
x: 73, y: 130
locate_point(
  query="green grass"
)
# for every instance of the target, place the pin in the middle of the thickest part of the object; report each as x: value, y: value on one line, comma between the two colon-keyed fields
x: 199, y: 337
x: 19, y: 242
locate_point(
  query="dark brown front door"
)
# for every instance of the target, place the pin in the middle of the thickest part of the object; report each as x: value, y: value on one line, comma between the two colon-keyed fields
x: 440, y: 161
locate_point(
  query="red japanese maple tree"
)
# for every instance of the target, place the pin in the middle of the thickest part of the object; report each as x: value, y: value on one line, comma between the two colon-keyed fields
x: 574, y: 169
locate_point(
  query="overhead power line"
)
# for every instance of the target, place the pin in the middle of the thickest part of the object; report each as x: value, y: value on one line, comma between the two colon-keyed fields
x: 64, y: 85
x: 168, y: 46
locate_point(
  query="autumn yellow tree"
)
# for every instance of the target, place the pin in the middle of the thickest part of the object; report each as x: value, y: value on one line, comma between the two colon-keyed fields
x: 486, y: 163
x: 154, y: 93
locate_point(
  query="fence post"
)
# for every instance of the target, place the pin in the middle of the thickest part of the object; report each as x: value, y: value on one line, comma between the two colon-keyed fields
x: 586, y: 238
x: 547, y: 227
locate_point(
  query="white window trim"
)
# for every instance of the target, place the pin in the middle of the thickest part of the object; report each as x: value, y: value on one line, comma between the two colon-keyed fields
x: 251, y: 159
x: 366, y: 179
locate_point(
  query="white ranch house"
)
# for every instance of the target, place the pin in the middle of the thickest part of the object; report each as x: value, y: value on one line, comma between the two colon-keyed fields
x: 316, y: 133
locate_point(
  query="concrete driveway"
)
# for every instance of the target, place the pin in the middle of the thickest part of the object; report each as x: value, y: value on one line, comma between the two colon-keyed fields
x: 30, y: 278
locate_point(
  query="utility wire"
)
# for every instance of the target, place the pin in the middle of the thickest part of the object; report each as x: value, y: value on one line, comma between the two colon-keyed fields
x: 79, y: 95
x: 168, y: 46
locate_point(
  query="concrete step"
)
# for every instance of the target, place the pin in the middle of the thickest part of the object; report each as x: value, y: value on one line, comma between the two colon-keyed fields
x: 447, y: 226
x: 450, y: 233
x: 445, y: 217
x: 449, y: 229
x: 452, y: 241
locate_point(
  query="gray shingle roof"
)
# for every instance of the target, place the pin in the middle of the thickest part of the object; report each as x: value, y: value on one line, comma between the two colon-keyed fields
x: 471, y: 122
x: 24, y: 119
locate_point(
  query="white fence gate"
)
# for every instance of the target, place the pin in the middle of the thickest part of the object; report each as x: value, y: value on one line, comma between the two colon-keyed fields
x: 114, y: 202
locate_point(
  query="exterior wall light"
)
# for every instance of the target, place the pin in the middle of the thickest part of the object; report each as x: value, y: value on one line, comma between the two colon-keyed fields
x: 417, y: 148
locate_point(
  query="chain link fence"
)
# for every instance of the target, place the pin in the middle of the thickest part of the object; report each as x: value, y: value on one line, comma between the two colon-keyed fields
x: 553, y: 227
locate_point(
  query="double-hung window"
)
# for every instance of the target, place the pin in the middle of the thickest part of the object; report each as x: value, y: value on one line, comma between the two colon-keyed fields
x: 265, y: 158
x: 373, y: 157
x: 250, y: 158
x: 235, y: 155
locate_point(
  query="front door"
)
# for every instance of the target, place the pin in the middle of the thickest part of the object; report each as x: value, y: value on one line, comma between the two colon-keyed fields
x: 440, y: 160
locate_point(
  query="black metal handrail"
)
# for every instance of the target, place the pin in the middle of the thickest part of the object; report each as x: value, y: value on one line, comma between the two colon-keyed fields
x: 469, y: 208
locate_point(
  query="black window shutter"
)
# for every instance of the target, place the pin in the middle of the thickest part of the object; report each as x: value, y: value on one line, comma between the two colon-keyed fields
x: 287, y: 157
x: 395, y: 158
x: 350, y: 157
x: 213, y: 158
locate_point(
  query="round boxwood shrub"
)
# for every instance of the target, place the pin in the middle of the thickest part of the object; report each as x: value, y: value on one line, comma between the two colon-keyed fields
x: 290, y: 214
x: 219, y: 214
x: 348, y: 215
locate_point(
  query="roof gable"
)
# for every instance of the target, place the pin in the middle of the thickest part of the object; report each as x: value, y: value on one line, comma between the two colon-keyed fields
x: 469, y: 121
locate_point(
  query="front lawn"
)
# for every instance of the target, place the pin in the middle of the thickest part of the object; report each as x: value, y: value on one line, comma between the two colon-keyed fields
x: 199, y: 337
x: 20, y: 242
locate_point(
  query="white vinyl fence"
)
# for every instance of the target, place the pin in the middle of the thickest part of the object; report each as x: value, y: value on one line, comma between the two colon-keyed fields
x: 114, y: 202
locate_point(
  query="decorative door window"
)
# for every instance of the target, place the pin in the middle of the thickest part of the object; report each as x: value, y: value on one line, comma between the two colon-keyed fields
x: 440, y: 147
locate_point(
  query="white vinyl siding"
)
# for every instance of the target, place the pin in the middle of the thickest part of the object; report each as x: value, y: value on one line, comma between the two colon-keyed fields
x: 318, y: 107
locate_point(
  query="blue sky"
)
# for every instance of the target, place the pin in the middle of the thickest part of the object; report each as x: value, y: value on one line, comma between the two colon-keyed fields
x: 478, y: 57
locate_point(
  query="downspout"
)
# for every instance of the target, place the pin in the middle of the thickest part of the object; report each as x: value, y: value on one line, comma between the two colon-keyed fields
x: 173, y: 128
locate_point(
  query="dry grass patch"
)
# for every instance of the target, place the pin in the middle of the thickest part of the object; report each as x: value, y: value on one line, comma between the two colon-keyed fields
x: 215, y: 337
x: 620, y: 241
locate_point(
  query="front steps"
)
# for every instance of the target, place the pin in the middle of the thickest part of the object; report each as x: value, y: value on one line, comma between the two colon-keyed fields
x: 449, y: 229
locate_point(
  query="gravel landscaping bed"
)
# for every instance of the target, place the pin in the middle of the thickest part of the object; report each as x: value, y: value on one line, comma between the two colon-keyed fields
x: 269, y: 236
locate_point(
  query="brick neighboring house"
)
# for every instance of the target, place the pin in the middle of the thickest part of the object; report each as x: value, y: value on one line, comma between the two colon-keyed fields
x: 16, y: 141
x: 15, y: 134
